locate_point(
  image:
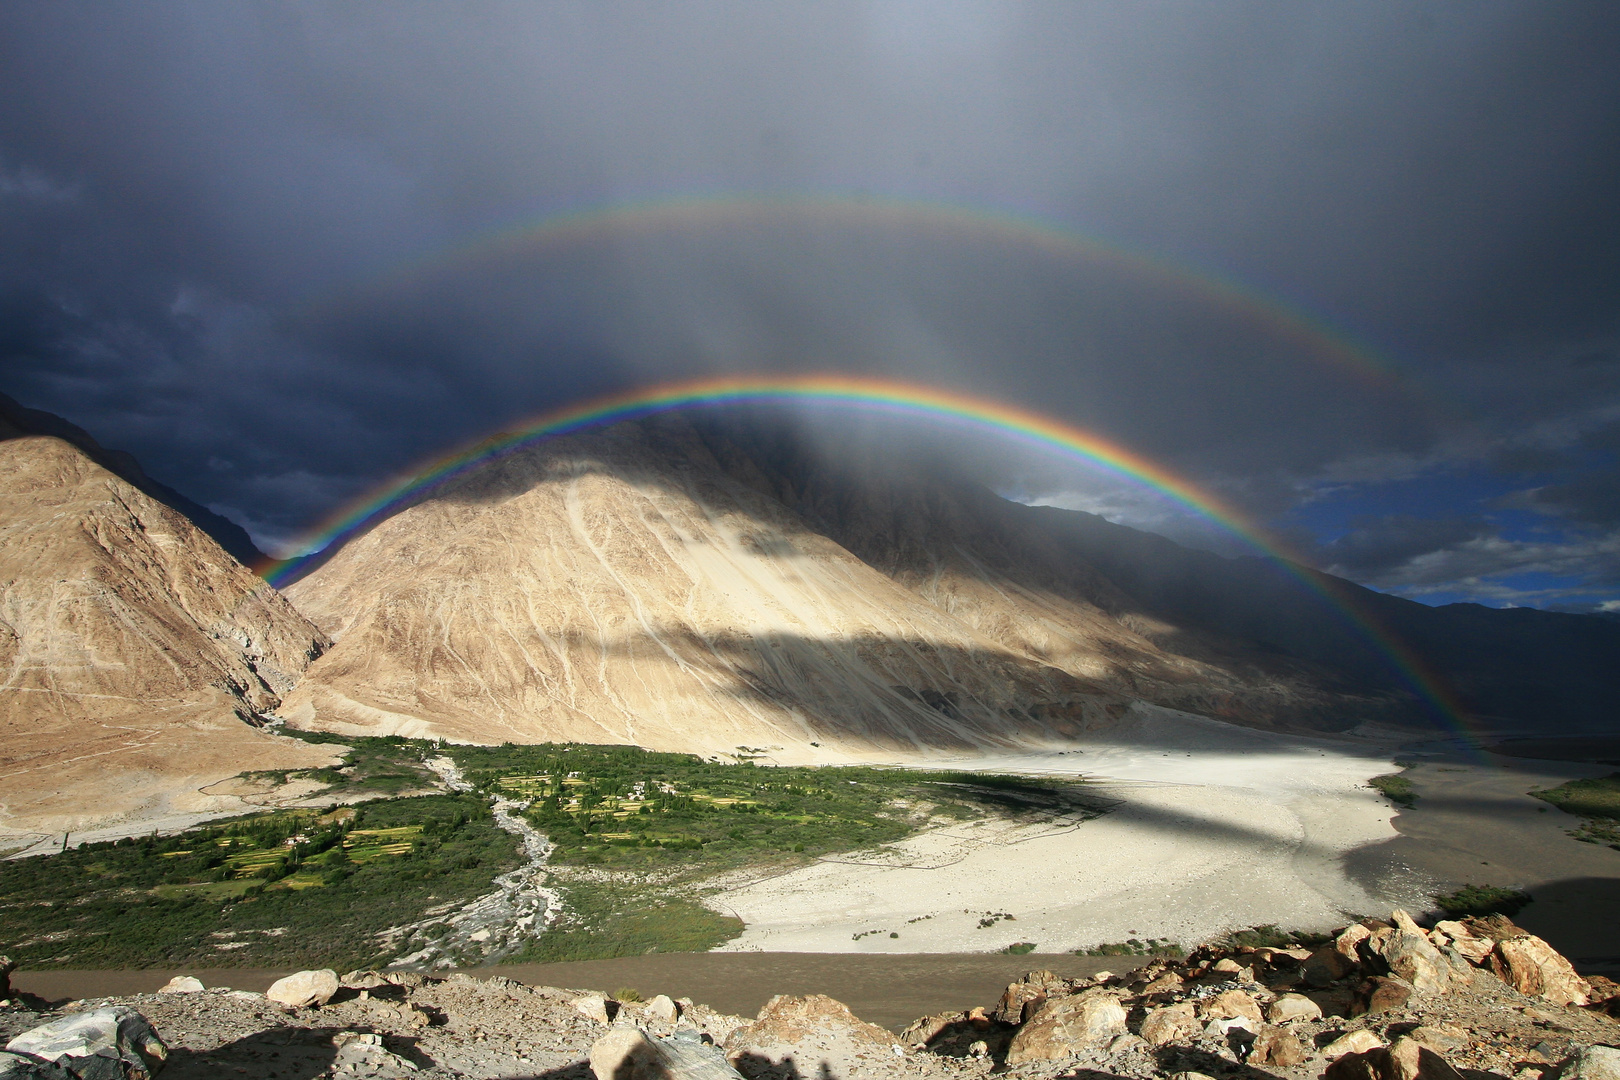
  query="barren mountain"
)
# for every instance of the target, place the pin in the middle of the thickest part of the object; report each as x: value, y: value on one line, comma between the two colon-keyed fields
x: 132, y: 650
x: 651, y: 584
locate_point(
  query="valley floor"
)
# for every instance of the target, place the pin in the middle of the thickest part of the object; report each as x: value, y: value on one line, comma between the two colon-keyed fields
x: 1215, y: 827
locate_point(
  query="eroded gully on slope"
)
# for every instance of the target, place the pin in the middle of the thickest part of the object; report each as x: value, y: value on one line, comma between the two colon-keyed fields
x: 497, y: 923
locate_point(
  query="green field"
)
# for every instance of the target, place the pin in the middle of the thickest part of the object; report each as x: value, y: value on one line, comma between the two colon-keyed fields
x: 638, y: 835
x: 1596, y: 799
x: 663, y: 823
x: 283, y: 889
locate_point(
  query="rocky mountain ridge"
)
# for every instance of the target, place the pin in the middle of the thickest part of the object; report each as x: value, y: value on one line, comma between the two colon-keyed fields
x: 135, y: 653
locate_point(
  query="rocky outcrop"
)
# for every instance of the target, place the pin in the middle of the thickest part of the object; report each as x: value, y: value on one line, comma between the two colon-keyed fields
x: 135, y: 654
x: 1142, y: 1025
x: 629, y: 1053
x: 1066, y: 1024
x: 813, y: 1034
x: 106, y: 1044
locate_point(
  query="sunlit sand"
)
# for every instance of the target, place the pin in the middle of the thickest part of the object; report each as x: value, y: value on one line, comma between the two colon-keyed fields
x: 1214, y: 827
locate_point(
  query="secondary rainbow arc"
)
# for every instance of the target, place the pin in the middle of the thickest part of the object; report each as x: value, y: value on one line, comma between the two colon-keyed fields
x: 1320, y: 338
x: 1007, y: 421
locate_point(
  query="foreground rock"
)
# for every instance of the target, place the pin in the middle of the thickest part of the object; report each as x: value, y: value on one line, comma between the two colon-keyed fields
x: 1223, y: 1013
x: 304, y: 988
x: 629, y: 1053
x: 107, y: 1044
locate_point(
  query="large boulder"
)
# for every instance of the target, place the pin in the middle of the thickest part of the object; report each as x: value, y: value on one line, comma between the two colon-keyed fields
x: 1170, y: 1023
x: 1068, y: 1024
x: 1277, y: 1046
x: 182, y: 984
x: 1536, y: 969
x: 1407, y: 952
x: 1232, y: 1005
x: 1291, y: 1007
x: 304, y: 988
x: 628, y: 1053
x: 1384, y: 993
x: 1326, y: 966
x: 1475, y: 947
x: 106, y: 1044
x: 814, y: 1033
x: 1024, y: 998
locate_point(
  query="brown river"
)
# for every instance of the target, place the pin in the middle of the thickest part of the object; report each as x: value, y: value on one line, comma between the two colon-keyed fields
x: 889, y: 990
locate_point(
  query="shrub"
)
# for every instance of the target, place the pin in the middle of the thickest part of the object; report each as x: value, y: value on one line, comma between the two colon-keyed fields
x: 1483, y: 900
x: 1396, y: 788
x: 1017, y: 948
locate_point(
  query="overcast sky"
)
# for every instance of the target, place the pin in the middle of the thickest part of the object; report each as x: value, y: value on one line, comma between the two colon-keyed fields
x: 240, y: 241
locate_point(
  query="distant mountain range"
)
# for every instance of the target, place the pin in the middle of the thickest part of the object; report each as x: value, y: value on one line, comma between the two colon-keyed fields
x: 692, y: 586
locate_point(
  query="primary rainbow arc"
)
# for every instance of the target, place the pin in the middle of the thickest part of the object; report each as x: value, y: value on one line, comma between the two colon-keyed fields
x: 1008, y: 421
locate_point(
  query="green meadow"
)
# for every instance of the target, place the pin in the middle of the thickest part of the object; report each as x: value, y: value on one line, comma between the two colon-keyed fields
x: 638, y: 834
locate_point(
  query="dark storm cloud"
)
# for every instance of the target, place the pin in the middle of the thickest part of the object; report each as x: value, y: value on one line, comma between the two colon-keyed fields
x: 204, y: 208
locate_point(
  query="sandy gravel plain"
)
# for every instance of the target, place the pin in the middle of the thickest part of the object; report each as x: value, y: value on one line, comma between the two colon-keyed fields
x: 1214, y: 827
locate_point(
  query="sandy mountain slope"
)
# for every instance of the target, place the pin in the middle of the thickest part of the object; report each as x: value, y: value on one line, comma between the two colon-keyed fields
x: 1020, y: 575
x: 132, y: 647
x: 624, y: 587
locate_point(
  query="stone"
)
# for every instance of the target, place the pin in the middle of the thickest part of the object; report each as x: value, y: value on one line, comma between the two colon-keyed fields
x: 1067, y: 1024
x: 1385, y: 993
x: 1348, y: 942
x: 304, y: 988
x: 1224, y: 1026
x: 661, y: 1007
x: 593, y: 1007
x: 1326, y: 966
x: 182, y: 984
x: 1291, y: 1007
x: 1023, y: 999
x: 1407, y: 953
x: 1229, y: 1005
x: 1590, y: 1063
x: 1441, y: 1038
x: 1277, y: 1046
x: 1170, y: 1023
x: 924, y: 1030
x: 1536, y: 969
x: 628, y: 1053
x: 1227, y: 966
x: 814, y: 1032
x: 105, y: 1044
x: 24, y: 1067
x: 1474, y: 947
x: 1352, y: 1042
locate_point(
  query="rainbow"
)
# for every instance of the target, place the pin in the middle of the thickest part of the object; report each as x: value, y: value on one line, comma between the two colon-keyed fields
x: 869, y: 394
x: 1315, y: 336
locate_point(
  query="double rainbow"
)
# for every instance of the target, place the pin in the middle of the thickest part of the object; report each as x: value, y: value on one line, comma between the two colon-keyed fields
x: 872, y: 395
